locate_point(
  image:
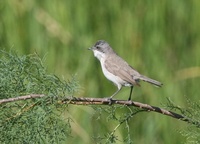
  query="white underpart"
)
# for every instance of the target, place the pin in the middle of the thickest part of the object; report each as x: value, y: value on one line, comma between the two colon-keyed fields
x: 115, y: 79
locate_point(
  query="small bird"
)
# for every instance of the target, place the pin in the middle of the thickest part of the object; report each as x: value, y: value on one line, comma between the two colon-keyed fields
x: 118, y: 70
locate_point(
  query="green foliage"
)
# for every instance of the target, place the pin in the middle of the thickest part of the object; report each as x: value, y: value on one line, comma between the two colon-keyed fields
x: 192, y: 132
x: 36, y: 120
x: 192, y: 135
x: 122, y: 120
x: 26, y: 74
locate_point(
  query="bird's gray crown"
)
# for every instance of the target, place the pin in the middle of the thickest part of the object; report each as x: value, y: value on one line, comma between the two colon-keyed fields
x: 100, y: 42
x: 102, y: 46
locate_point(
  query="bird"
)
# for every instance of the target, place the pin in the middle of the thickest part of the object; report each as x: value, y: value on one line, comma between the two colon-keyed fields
x: 117, y: 70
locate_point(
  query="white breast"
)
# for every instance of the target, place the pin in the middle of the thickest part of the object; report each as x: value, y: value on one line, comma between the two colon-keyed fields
x: 115, y: 79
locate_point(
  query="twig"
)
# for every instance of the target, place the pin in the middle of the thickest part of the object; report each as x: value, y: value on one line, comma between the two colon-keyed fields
x: 121, y: 122
x: 21, y: 98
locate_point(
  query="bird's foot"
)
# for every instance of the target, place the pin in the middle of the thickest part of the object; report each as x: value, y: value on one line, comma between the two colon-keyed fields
x: 130, y: 101
x: 110, y: 100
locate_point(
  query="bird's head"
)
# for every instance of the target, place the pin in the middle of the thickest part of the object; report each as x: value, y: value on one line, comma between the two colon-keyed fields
x: 101, y: 49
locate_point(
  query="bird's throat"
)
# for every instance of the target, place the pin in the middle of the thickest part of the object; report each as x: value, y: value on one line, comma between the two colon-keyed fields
x: 99, y: 55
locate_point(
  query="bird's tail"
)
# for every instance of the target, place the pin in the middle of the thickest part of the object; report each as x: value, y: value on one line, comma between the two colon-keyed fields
x: 149, y: 80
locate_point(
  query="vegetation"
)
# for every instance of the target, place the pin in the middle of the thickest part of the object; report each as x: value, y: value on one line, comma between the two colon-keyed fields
x: 158, y: 38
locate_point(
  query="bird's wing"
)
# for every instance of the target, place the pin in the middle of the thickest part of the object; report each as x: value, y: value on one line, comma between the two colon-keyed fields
x: 120, y: 68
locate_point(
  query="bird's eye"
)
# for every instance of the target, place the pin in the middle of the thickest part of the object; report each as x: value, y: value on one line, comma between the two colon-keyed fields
x: 100, y: 49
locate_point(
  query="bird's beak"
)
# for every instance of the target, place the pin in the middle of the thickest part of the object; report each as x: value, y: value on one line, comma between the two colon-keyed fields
x: 91, y: 48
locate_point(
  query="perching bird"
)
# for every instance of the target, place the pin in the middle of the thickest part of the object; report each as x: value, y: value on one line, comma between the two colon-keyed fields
x: 118, y: 70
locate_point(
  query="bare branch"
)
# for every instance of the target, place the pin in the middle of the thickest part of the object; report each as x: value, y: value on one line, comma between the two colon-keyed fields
x: 106, y: 101
x: 21, y: 98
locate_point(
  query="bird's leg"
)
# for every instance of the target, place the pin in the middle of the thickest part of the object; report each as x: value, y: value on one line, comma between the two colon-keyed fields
x: 110, y: 98
x: 115, y: 93
x: 130, y: 93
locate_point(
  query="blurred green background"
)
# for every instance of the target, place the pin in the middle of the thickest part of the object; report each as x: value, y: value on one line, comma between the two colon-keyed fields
x: 161, y: 39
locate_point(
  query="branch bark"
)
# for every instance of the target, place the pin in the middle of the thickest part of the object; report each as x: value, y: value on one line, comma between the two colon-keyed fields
x: 21, y: 98
x: 106, y: 101
x: 147, y: 107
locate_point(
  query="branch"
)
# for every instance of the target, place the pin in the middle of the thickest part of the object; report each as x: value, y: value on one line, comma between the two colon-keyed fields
x: 106, y: 101
x: 21, y: 98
